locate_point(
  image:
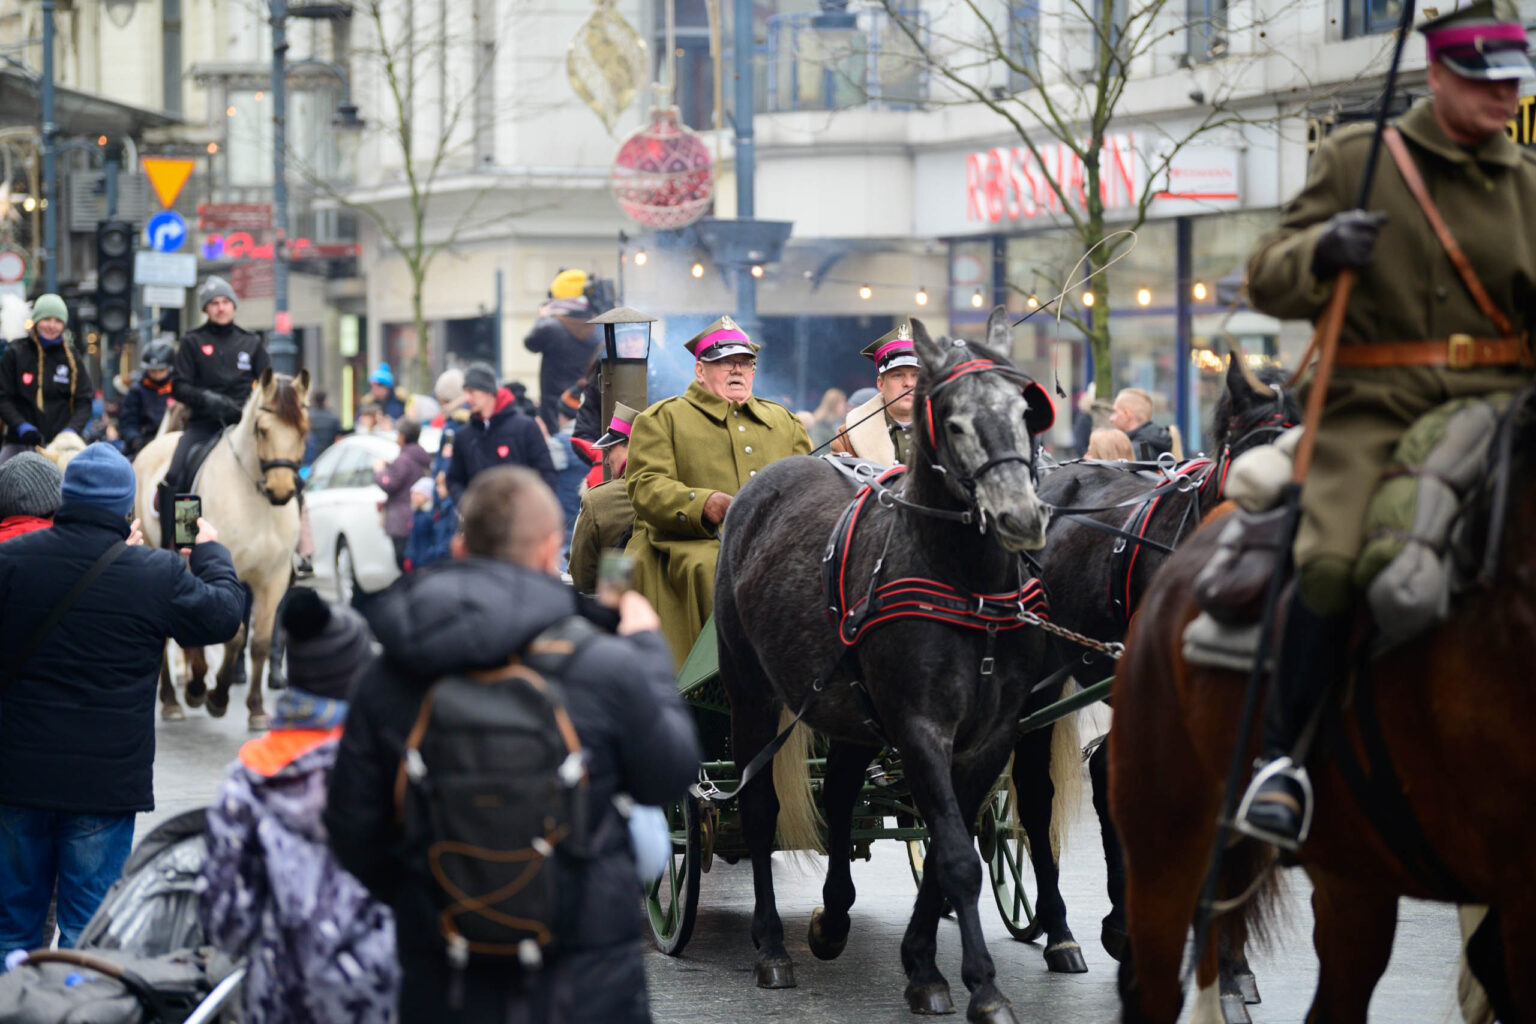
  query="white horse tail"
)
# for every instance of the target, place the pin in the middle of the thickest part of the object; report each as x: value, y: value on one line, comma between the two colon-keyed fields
x: 1066, y: 776
x: 799, y: 821
x: 1469, y: 993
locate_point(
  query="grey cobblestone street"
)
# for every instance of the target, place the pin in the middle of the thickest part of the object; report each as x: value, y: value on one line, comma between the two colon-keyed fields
x: 712, y: 982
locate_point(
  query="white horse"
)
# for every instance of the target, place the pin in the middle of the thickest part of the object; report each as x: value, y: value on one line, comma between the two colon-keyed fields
x: 248, y: 485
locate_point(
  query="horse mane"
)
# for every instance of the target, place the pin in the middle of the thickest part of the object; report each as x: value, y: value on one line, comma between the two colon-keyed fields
x: 285, y: 403
x: 1223, y: 411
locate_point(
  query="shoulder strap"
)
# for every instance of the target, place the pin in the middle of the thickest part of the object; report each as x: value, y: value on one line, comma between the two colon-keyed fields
x: 65, y: 604
x: 1415, y: 183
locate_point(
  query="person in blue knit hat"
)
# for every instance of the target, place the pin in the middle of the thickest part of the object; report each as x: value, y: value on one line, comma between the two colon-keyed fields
x: 381, y: 388
x: 77, y: 720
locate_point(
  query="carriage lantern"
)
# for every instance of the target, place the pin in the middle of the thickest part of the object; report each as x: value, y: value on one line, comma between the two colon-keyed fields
x: 626, y: 349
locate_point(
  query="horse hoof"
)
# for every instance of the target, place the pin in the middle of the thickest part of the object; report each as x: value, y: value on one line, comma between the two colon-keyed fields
x: 1234, y: 1011
x: 930, y: 999
x: 822, y: 947
x: 259, y: 723
x: 999, y: 1013
x: 1115, y: 941
x: 775, y: 974
x: 1248, y: 985
x: 172, y: 713
x: 195, y: 697
x: 1065, y: 958
x: 215, y: 709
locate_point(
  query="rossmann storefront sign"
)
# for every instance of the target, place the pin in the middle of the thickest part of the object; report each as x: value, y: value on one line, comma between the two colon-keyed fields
x: 1006, y: 188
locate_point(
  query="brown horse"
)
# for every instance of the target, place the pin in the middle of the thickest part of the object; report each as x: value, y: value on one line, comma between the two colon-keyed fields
x: 1452, y: 710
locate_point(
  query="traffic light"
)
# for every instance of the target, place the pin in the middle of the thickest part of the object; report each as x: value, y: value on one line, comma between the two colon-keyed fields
x: 114, y: 275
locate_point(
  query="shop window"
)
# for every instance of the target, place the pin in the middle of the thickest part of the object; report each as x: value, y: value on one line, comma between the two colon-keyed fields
x: 1370, y: 17
x: 829, y: 61
x: 1023, y: 44
x: 694, y: 94
x: 1207, y: 30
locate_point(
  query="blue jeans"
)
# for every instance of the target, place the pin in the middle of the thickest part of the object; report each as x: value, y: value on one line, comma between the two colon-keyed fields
x: 83, y: 853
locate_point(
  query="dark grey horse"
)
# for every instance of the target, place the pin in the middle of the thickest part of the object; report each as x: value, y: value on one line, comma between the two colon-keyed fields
x: 929, y: 695
x: 1094, y: 590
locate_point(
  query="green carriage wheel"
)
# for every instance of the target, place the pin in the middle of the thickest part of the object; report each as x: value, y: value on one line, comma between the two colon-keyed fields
x: 672, y: 901
x: 1005, y: 848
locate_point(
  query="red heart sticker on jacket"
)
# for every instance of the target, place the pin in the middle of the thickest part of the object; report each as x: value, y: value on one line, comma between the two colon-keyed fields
x: 502, y: 450
x: 207, y: 350
x: 26, y: 378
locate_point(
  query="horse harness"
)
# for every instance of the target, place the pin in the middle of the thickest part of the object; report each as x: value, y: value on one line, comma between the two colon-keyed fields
x: 266, y: 466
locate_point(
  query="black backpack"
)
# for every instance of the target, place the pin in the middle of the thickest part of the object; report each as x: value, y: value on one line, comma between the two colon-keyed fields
x: 491, y: 787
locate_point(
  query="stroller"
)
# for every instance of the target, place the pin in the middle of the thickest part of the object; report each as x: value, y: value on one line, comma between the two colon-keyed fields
x: 141, y: 957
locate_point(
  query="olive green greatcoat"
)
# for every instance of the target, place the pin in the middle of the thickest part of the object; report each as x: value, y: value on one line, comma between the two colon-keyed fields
x: 682, y: 450
x: 604, y: 522
x: 1410, y: 292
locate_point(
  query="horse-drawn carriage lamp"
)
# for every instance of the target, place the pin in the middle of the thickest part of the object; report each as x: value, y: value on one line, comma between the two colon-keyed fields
x: 626, y: 350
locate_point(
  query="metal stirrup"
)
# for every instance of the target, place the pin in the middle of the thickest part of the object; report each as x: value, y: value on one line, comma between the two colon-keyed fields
x: 1297, y: 774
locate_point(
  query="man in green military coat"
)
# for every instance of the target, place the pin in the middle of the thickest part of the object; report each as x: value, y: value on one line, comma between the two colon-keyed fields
x: 881, y: 428
x: 1414, y: 334
x: 606, y: 518
x: 688, y: 456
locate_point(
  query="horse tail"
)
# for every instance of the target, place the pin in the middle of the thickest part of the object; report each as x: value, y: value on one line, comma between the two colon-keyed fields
x: 1251, y: 879
x: 799, y: 821
x: 1066, y: 777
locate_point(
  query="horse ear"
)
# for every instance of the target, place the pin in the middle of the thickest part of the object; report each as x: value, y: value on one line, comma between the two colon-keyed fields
x: 302, y: 384
x: 1244, y: 387
x: 266, y: 379
x: 1000, y: 331
x: 932, y: 354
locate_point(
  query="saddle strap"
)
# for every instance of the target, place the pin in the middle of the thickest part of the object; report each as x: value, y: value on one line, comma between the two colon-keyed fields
x: 1415, y: 182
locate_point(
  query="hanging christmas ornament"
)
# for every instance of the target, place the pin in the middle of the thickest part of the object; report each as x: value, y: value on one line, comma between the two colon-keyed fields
x: 663, y: 176
x: 605, y: 63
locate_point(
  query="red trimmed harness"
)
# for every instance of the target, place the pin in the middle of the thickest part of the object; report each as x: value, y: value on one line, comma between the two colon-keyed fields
x: 1122, y: 563
x: 912, y: 597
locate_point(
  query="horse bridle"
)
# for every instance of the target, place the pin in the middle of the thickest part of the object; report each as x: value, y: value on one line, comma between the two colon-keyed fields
x: 968, y: 482
x: 268, y: 465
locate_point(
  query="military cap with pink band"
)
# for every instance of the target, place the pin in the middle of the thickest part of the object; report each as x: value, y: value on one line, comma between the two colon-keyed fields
x: 720, y: 339
x: 1484, y: 41
x: 618, y: 427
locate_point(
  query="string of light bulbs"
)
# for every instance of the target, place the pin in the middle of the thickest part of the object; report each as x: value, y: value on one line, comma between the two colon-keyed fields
x: 866, y: 289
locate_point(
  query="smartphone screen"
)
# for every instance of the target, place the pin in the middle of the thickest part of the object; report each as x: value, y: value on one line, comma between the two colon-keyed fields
x: 615, y: 570
x: 189, y: 509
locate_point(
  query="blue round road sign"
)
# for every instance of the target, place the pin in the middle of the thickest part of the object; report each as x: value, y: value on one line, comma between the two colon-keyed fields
x: 166, y: 231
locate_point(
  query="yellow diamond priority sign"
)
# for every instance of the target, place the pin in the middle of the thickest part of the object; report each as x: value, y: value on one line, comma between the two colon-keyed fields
x: 167, y: 175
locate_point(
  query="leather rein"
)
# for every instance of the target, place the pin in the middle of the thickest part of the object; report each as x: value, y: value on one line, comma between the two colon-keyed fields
x: 268, y: 465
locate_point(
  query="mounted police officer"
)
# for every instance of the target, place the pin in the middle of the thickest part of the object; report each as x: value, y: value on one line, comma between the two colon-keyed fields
x: 688, y: 457
x: 881, y: 428
x: 216, y: 365
x: 1418, y: 331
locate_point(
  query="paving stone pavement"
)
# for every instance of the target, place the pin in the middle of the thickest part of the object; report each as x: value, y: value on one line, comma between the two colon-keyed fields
x: 712, y: 982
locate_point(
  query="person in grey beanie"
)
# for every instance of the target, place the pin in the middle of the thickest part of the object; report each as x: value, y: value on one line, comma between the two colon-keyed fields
x: 29, y: 494
x: 319, y: 947
x: 496, y: 434
x: 216, y: 364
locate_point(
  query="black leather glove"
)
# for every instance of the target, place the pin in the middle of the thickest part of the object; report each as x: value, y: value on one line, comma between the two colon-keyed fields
x: 225, y: 410
x: 1346, y: 243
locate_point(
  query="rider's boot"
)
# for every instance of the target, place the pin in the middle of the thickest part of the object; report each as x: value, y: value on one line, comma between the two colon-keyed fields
x: 1313, y: 656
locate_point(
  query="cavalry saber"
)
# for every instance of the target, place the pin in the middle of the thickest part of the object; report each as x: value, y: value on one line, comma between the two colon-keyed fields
x: 1326, y: 342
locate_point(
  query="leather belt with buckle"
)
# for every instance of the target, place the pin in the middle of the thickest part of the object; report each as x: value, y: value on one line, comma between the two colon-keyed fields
x: 1458, y: 352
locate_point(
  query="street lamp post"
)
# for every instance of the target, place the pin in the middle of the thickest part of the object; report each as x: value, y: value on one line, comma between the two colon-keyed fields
x: 50, y: 159
x: 284, y: 353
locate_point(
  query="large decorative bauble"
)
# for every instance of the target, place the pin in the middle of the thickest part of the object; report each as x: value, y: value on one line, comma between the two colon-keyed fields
x: 605, y: 63
x: 662, y: 176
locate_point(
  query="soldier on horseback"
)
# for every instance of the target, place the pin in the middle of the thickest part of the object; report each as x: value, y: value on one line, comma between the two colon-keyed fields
x: 1431, y: 320
x: 216, y: 364
x: 881, y: 428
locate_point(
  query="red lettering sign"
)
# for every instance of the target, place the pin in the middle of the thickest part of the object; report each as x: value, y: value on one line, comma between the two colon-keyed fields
x: 1016, y: 183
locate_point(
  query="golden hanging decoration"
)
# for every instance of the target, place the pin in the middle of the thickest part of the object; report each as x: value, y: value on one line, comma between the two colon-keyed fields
x: 606, y: 64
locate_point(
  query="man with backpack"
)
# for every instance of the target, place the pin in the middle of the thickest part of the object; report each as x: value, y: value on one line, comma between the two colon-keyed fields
x: 541, y: 720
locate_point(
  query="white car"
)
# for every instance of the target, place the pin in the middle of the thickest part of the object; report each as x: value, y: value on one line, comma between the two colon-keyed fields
x: 352, y: 551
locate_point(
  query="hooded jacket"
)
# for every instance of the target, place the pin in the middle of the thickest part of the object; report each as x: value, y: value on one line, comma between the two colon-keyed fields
x: 77, y: 726
x: 507, y: 438
x: 1149, y: 441
x: 319, y: 948
x: 638, y: 734
x: 396, y: 479
x: 62, y: 378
